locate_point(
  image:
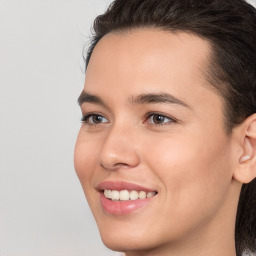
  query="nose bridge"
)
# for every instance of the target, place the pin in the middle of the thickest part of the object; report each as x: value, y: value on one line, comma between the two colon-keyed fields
x: 119, y: 147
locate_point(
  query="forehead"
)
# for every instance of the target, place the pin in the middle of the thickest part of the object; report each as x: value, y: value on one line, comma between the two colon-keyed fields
x: 148, y: 53
x: 149, y: 59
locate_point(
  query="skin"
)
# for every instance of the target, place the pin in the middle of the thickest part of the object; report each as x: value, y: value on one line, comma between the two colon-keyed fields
x: 189, y: 158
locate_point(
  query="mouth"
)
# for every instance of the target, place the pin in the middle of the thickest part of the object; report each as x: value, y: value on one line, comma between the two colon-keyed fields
x: 126, y: 195
x: 119, y: 198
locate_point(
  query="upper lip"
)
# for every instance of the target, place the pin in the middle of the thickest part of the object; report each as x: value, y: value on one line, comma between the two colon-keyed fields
x: 121, y: 185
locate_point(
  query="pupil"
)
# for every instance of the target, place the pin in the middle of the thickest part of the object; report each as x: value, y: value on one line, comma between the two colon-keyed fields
x: 97, y: 119
x: 158, y: 119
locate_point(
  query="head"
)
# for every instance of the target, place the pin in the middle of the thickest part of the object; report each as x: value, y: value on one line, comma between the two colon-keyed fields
x: 170, y: 104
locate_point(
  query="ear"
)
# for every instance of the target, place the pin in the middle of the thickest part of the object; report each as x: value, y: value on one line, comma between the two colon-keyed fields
x: 246, y: 161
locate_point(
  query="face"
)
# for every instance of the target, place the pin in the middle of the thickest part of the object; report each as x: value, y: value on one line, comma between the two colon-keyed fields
x: 152, y: 127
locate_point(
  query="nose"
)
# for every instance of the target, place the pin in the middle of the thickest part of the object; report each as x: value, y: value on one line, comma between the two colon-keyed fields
x: 119, y: 149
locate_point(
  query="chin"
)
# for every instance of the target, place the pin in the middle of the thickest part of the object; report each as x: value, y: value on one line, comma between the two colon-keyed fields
x: 126, y: 238
x: 124, y: 244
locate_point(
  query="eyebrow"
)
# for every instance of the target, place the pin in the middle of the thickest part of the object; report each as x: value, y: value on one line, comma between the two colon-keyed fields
x: 145, y: 98
x: 90, y: 98
x: 149, y: 98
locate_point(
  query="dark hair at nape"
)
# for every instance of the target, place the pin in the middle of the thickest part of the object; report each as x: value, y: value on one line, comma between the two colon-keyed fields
x: 230, y: 28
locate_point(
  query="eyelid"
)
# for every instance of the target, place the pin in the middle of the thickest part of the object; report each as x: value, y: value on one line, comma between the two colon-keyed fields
x: 87, y: 116
x: 152, y: 113
x: 171, y: 119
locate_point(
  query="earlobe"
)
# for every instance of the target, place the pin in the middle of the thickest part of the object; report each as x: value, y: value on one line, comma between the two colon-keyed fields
x: 246, y: 167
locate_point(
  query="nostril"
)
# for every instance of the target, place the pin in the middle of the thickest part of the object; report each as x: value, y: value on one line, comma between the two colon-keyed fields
x: 113, y: 166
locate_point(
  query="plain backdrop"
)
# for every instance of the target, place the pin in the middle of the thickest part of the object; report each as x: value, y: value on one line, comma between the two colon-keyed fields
x: 43, y: 211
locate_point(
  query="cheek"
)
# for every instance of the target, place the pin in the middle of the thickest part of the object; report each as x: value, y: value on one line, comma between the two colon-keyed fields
x: 195, y: 174
x: 84, y: 159
x: 85, y: 162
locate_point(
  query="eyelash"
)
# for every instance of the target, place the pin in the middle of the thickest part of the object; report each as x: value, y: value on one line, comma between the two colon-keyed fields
x: 85, y: 118
x: 154, y: 114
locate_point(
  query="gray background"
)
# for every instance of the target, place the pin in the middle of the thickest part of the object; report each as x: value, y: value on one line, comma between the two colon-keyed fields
x: 43, y: 211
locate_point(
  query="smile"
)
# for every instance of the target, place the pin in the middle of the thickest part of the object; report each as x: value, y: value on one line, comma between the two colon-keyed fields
x: 121, y: 198
x: 125, y: 195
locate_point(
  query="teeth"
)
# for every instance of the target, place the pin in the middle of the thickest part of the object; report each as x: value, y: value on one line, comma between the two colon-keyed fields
x: 134, y: 195
x: 142, y: 195
x: 150, y: 194
x: 107, y: 193
x: 115, y: 195
x: 125, y: 195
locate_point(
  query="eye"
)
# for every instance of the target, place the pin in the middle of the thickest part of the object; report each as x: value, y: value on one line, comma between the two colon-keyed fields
x: 159, y: 119
x: 94, y: 119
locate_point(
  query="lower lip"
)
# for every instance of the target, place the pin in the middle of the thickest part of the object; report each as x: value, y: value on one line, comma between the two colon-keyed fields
x: 122, y: 207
